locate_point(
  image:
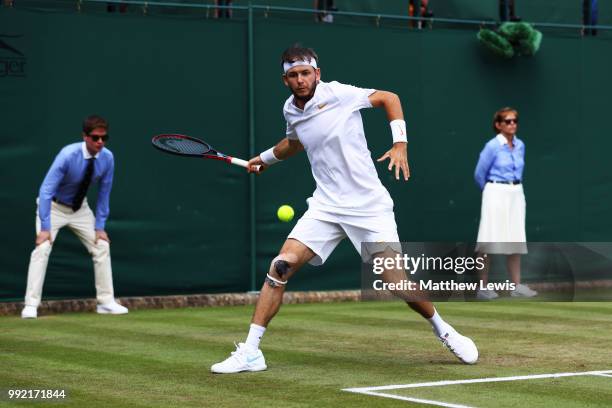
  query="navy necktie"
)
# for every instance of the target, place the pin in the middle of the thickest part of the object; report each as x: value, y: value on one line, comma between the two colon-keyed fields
x: 82, y: 190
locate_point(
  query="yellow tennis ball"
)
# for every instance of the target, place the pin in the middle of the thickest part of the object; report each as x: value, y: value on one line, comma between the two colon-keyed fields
x: 285, y: 213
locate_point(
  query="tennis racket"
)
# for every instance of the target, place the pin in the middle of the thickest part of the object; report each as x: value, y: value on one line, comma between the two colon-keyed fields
x: 182, y: 145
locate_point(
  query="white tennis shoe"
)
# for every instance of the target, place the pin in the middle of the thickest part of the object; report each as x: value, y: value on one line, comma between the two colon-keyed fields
x: 523, y: 291
x: 243, y: 359
x: 462, y: 347
x: 29, y: 312
x: 486, y: 294
x: 111, y: 308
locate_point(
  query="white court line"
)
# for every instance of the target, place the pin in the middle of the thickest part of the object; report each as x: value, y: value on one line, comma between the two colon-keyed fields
x: 604, y: 375
x: 417, y: 400
x: 475, y: 381
x: 375, y: 390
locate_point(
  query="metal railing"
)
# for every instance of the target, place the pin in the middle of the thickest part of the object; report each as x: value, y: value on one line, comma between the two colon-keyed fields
x: 375, y: 16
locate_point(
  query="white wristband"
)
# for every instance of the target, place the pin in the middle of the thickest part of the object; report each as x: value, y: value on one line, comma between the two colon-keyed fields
x: 268, y: 157
x: 398, y: 130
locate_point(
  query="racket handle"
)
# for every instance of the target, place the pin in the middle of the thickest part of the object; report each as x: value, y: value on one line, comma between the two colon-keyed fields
x: 242, y: 163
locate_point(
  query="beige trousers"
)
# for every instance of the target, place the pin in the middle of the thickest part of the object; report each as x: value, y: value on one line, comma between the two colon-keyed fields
x: 82, y: 223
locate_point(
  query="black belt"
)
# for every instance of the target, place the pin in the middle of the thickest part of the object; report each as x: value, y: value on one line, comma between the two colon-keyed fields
x: 55, y: 200
x: 504, y: 182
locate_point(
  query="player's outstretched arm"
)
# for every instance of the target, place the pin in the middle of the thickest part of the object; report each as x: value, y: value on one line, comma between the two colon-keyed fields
x: 283, y: 150
x: 389, y: 101
x: 398, y: 154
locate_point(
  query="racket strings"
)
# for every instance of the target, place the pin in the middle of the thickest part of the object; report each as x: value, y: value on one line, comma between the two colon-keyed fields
x: 185, y: 146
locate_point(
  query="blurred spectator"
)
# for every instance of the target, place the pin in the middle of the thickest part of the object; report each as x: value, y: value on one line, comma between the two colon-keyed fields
x: 325, y: 6
x: 112, y: 7
x: 8, y: 3
x: 223, y: 12
x: 423, y: 12
x: 590, y: 13
x: 506, y: 11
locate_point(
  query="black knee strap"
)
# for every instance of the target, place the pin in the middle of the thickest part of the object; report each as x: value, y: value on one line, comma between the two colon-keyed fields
x: 281, y: 267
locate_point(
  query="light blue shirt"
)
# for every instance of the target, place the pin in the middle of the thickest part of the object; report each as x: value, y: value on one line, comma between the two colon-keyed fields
x: 498, y: 162
x: 65, y: 175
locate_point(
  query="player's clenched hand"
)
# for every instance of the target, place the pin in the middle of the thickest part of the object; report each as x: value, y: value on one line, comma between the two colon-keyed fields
x: 101, y: 234
x: 42, y: 237
x: 253, y: 163
x: 398, y: 156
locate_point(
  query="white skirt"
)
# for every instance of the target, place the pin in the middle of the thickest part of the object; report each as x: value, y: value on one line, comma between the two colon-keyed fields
x: 502, y: 220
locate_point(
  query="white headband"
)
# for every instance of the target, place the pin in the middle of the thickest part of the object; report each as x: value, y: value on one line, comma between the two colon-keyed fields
x: 288, y: 65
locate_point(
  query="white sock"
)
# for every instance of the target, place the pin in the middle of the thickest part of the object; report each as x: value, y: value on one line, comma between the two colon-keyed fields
x: 439, y: 325
x: 256, y: 332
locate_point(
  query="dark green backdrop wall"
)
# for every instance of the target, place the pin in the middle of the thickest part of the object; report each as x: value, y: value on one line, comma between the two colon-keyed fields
x: 182, y: 226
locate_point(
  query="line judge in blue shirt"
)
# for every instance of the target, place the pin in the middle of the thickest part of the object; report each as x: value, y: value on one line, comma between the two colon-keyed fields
x: 499, y: 174
x: 62, y: 202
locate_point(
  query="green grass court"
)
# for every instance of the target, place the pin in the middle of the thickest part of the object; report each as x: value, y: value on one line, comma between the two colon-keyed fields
x: 161, y: 358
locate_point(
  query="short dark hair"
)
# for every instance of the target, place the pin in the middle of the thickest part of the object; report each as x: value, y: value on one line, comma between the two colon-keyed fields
x: 94, y: 121
x: 500, y: 114
x: 298, y: 53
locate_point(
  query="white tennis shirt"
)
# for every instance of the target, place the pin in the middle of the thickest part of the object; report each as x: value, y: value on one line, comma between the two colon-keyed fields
x: 331, y: 129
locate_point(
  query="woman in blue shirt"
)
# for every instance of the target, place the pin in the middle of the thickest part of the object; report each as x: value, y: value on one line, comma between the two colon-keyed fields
x: 499, y: 175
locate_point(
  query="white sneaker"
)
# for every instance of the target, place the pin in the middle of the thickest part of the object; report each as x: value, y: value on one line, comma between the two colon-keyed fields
x: 328, y: 18
x: 523, y: 291
x: 243, y: 359
x: 111, y: 308
x: 461, y: 346
x: 29, y: 312
x: 486, y: 294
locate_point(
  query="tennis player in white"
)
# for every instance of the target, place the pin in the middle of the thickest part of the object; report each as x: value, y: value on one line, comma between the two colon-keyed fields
x: 350, y: 201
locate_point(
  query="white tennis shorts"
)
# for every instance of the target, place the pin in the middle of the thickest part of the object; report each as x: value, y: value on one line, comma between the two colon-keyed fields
x: 322, y: 231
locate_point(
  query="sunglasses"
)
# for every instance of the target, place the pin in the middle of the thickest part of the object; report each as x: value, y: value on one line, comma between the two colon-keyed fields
x: 97, y: 138
x: 509, y: 121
